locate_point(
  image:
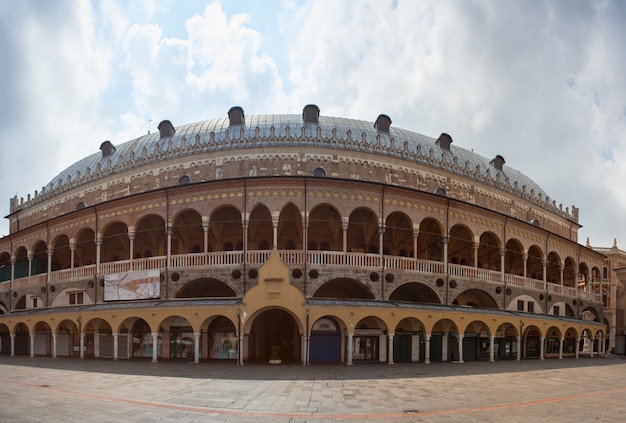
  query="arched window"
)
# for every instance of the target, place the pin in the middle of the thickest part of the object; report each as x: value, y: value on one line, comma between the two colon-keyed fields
x: 441, y: 191
x: 319, y: 172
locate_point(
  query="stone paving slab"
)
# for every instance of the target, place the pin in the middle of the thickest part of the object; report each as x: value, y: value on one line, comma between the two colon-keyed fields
x: 43, y: 389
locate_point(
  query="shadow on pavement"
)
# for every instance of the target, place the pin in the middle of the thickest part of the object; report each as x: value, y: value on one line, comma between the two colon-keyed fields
x: 261, y: 371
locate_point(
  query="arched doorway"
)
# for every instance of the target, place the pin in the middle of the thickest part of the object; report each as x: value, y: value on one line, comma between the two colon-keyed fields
x: 274, y: 335
x: 325, y: 341
x: 222, y: 339
x: 142, y: 343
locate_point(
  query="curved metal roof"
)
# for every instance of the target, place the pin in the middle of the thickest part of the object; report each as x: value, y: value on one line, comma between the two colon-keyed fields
x: 329, y: 127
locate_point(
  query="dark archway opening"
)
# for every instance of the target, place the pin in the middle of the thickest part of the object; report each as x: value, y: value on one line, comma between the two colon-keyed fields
x: 274, y: 335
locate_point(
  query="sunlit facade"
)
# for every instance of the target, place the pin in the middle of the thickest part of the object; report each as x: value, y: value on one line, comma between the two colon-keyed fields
x: 299, y: 238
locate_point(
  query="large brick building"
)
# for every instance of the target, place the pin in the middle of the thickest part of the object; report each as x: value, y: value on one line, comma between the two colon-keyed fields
x: 296, y: 237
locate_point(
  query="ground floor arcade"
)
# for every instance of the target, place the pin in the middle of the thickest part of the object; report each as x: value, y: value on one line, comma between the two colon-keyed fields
x: 274, y: 323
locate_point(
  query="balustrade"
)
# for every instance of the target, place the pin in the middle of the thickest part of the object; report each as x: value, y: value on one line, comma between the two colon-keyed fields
x: 115, y: 267
x: 298, y: 258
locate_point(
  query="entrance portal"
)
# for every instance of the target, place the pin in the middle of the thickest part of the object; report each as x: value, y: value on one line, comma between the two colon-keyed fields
x: 274, y: 331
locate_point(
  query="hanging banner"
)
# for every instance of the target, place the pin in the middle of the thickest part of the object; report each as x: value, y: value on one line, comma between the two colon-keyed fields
x: 141, y: 285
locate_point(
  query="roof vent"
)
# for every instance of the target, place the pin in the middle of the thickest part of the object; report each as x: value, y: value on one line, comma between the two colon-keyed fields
x: 497, y: 162
x: 236, y: 116
x: 107, y: 148
x: 383, y: 122
x: 311, y: 114
x: 166, y: 129
x: 444, y: 141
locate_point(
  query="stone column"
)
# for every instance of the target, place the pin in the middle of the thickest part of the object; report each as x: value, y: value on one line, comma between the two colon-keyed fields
x: 81, y: 345
x: 390, y: 342
x: 350, y: 346
x: 13, y: 261
x: 240, y: 349
x: 519, y: 348
x: 98, y: 248
x: 492, y: 341
x: 196, y: 348
x: 344, y: 233
x: 544, y: 265
x: 72, y: 253
x: 577, y: 346
x: 502, y: 264
x: 54, y: 345
x: 525, y: 264
x: 12, y: 345
x: 601, y: 341
x: 205, y: 230
x: 461, y: 336
x: 32, y: 344
x: 131, y: 238
x: 561, y: 348
x: 115, y: 345
x: 427, y: 348
x: 542, y: 342
x: 155, y: 340
x: 168, y: 232
x: 50, y: 252
x: 475, y: 247
x: 30, y: 265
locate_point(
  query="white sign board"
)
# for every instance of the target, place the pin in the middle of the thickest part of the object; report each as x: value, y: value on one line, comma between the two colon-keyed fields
x: 139, y: 285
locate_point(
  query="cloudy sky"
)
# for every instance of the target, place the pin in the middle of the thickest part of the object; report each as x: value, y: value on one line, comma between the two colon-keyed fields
x: 542, y: 83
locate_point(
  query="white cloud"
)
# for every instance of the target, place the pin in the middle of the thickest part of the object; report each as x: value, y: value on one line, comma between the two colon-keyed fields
x: 218, y: 66
x: 539, y: 83
x: 57, y: 71
x: 518, y: 79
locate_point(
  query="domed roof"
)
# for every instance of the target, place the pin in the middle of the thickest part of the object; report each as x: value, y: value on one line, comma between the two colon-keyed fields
x: 278, y: 131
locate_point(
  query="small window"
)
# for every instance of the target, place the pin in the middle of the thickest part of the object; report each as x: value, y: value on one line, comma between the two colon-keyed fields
x: 441, y: 192
x: 557, y: 311
x: 34, y: 302
x: 531, y: 307
x: 319, y: 172
x: 76, y: 298
x: 184, y: 180
x: 520, y: 305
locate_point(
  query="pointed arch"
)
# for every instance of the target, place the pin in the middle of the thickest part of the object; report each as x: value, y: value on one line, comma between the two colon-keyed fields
x: 460, y: 245
x: 363, y: 231
x: 430, y: 240
x: 324, y: 230
x: 398, y: 237
x: 290, y: 228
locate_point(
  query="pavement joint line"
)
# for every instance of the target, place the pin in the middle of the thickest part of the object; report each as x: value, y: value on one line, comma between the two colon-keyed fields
x: 349, y: 416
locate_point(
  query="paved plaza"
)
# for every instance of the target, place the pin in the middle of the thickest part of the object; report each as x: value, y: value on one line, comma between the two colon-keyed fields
x: 44, y: 389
